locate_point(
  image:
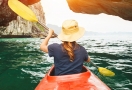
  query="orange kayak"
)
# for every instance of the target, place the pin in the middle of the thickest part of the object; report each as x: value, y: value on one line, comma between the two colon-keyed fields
x: 82, y: 81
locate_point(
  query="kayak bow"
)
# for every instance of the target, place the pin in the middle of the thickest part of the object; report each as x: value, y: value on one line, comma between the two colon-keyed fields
x: 82, y: 81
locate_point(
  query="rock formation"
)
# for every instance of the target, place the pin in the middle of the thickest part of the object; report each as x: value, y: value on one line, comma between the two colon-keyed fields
x: 121, y: 8
x: 6, y: 14
x: 12, y: 25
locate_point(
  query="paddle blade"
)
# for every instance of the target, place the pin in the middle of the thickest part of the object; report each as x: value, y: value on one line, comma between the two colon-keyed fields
x: 105, y: 72
x: 22, y: 10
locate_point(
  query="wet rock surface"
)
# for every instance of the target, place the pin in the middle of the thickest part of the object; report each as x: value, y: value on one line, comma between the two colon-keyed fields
x: 121, y: 8
x: 6, y: 14
x: 12, y: 25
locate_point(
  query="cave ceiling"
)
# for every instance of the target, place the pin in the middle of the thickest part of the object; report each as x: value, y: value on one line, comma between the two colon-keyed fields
x: 121, y: 8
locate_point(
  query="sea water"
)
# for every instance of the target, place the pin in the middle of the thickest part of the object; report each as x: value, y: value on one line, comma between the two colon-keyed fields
x: 23, y: 64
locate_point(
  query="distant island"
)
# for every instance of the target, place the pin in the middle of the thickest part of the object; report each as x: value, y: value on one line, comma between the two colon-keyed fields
x: 55, y: 28
x: 91, y: 33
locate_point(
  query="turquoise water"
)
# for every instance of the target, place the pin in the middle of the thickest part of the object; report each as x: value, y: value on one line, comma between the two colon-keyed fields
x: 23, y: 65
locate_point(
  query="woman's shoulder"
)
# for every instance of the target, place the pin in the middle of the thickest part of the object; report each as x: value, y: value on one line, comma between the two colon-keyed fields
x: 54, y: 44
x: 81, y: 47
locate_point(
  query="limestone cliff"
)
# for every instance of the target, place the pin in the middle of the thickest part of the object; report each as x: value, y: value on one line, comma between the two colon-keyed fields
x: 12, y: 25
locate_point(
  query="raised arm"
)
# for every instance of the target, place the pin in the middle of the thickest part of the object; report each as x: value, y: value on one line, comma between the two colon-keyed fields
x: 44, y: 44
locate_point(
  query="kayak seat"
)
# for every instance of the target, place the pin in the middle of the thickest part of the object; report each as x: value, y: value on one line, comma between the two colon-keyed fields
x: 83, y: 76
x: 53, y: 71
x: 84, y: 69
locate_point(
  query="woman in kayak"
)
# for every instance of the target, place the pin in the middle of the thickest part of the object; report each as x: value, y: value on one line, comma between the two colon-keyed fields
x: 68, y: 56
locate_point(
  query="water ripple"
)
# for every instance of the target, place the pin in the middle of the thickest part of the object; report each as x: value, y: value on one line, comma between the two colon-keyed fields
x: 22, y: 62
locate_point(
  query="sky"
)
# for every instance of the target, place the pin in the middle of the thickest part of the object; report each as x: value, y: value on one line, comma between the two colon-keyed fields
x: 57, y: 11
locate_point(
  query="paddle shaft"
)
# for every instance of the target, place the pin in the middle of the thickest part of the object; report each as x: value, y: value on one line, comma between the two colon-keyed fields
x: 94, y: 64
x: 46, y: 28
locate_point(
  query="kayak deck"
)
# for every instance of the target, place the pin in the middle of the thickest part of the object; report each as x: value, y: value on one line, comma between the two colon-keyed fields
x: 82, y: 81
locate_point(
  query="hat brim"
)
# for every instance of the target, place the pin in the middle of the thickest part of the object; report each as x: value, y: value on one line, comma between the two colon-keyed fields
x: 72, y: 37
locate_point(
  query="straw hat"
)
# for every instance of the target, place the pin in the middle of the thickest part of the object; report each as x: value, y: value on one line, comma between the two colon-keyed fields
x: 71, y: 31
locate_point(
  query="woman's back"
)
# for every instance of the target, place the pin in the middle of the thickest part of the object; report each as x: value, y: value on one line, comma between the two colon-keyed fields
x: 63, y: 65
